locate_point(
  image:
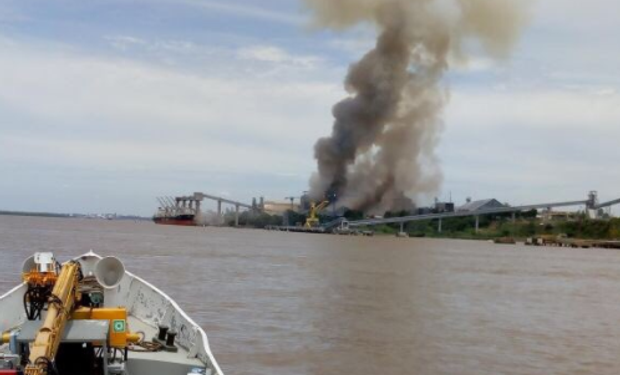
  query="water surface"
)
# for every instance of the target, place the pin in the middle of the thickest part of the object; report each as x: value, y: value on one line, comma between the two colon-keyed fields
x: 279, y: 303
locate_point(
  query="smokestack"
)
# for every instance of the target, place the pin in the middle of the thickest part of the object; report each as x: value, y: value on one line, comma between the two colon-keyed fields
x: 382, y: 146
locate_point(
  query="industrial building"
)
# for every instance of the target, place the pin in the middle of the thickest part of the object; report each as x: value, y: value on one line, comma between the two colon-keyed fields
x: 279, y: 208
x: 441, y: 207
x: 486, y: 204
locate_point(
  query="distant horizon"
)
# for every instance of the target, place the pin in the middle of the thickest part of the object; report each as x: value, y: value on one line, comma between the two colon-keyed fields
x: 225, y: 209
x: 66, y: 214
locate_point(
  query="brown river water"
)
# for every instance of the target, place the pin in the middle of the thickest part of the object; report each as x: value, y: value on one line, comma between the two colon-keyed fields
x: 279, y: 303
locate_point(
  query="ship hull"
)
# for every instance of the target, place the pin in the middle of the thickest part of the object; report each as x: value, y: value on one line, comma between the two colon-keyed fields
x: 182, y: 220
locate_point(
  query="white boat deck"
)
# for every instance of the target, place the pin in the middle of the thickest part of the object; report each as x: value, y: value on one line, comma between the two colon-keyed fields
x: 180, y: 358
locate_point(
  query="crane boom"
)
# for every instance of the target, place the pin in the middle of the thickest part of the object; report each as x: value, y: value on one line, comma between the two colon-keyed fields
x: 60, y: 306
x: 163, y: 204
x: 321, y: 206
x: 313, y: 214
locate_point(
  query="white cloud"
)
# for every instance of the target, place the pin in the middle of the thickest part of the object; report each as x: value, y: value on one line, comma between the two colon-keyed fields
x: 593, y: 17
x: 124, y: 42
x: 111, y: 110
x: 356, y: 44
x: 171, y: 46
x: 246, y: 11
x: 272, y: 54
x: 544, y: 108
x: 135, y: 155
x: 540, y: 144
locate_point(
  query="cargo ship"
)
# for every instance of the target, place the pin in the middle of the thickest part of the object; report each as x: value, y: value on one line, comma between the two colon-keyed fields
x: 176, y: 211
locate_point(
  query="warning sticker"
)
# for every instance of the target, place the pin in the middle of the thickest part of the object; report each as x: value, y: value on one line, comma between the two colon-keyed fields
x: 118, y: 325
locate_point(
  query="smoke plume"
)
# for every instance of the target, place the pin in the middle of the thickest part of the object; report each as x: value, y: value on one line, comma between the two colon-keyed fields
x: 382, y: 146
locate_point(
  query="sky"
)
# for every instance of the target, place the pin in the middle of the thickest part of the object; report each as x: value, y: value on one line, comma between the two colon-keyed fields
x: 107, y: 104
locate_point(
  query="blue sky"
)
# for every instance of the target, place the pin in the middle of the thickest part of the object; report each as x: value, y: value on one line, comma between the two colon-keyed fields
x: 105, y: 105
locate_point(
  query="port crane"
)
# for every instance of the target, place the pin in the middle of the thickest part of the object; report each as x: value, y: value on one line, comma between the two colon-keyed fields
x: 313, y: 214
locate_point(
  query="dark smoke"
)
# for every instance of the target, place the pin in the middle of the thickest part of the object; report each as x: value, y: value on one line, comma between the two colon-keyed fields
x: 382, y: 146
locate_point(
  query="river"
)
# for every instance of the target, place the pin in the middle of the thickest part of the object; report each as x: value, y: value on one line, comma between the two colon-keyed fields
x: 280, y: 303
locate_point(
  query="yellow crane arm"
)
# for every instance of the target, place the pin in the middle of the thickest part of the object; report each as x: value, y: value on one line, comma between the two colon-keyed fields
x: 313, y: 214
x: 321, y: 206
x: 61, y: 304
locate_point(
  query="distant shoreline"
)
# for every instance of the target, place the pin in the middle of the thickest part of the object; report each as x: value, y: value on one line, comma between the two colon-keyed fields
x: 71, y: 216
x: 37, y: 214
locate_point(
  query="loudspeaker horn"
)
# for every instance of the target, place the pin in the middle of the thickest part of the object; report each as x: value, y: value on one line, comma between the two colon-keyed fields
x: 109, y: 272
x: 29, y: 264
